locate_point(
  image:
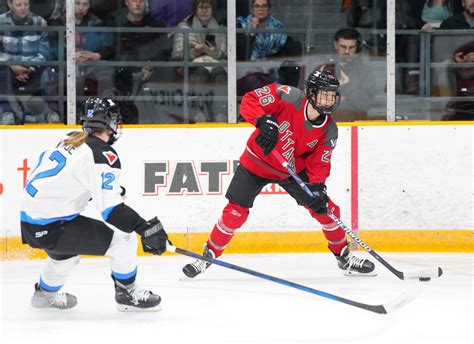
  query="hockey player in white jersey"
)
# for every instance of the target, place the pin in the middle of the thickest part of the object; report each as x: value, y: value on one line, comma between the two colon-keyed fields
x: 82, y: 167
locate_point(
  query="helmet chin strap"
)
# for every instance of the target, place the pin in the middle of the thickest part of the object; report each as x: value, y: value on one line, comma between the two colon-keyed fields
x: 318, y: 120
x: 113, y: 137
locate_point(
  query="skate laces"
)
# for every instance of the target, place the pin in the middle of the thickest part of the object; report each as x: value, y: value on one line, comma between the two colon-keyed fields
x: 200, y: 265
x: 60, y: 300
x: 354, y: 261
x: 54, y: 299
x: 139, y: 295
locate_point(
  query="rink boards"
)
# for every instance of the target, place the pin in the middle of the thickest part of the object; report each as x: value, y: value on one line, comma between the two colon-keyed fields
x: 406, y: 187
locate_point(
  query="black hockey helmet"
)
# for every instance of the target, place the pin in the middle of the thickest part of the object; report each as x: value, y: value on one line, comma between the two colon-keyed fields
x: 100, y: 114
x: 322, y: 81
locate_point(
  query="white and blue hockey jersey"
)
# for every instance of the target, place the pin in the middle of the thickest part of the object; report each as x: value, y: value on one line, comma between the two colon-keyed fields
x: 66, y: 178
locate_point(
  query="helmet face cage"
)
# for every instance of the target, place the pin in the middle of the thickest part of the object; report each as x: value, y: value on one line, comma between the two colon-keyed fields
x: 319, y: 87
x: 102, y: 114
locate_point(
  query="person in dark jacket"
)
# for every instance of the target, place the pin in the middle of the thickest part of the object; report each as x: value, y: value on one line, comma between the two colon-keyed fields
x: 461, y: 21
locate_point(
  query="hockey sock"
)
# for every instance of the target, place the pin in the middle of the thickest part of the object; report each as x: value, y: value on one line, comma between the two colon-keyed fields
x: 233, y: 217
x: 334, y: 234
x: 125, y: 279
x: 336, y: 237
x: 55, y: 272
x: 122, y: 254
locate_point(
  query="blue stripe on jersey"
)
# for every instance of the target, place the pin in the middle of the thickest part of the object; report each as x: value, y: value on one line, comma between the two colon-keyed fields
x: 124, y: 276
x: 48, y: 287
x: 26, y: 218
x: 106, y: 212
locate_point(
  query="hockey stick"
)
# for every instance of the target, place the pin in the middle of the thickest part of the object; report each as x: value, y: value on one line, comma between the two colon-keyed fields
x: 380, y: 309
x: 422, y: 275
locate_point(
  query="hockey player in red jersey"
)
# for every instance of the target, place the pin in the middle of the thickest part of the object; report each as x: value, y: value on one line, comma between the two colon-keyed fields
x: 298, y: 126
x: 84, y: 167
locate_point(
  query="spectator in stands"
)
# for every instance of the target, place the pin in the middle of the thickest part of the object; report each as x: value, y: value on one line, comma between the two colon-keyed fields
x: 418, y: 15
x: 23, y: 46
x: 461, y: 21
x: 171, y: 12
x: 356, y: 78
x: 204, y: 47
x: 435, y: 11
x: 90, y: 46
x: 140, y: 46
x: 463, y: 110
x: 259, y: 46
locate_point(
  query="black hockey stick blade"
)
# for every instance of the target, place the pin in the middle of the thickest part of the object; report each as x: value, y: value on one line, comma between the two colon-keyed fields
x: 424, y: 275
x: 380, y: 309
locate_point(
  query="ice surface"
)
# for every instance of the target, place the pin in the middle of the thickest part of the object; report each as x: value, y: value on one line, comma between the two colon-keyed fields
x: 226, y: 306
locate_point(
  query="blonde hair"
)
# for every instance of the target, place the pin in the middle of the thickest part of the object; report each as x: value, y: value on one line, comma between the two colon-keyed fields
x: 76, y: 139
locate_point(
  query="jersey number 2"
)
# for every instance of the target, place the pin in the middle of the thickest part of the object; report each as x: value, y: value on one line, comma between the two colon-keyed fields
x: 55, y: 156
x: 107, y: 179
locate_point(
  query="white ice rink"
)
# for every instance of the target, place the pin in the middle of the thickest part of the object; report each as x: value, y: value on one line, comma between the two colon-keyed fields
x: 226, y: 306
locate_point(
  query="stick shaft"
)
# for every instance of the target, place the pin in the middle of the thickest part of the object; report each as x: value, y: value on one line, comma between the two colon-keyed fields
x: 380, y: 309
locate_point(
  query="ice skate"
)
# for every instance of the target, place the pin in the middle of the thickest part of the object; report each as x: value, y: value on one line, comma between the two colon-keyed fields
x: 352, y: 265
x: 132, y: 298
x: 52, y: 299
x: 199, y: 266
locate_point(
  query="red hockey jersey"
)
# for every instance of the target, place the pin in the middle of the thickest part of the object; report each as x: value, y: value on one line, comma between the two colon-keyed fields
x: 302, y: 144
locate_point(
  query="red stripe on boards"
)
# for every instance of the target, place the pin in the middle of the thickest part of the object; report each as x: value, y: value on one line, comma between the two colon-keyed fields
x: 354, y: 181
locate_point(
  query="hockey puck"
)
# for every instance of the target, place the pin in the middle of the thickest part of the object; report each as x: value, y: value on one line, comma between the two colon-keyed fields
x: 424, y: 279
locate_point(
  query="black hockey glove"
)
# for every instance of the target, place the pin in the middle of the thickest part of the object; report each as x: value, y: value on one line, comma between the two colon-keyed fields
x: 154, y: 237
x: 318, y: 203
x: 268, y: 137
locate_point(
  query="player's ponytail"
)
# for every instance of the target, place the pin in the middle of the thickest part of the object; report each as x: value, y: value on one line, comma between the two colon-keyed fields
x: 76, y: 139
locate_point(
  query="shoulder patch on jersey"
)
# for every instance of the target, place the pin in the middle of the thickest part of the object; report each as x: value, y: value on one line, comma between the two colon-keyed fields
x: 111, y: 157
x: 285, y: 88
x: 290, y: 95
x: 103, y: 152
x: 331, y: 132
